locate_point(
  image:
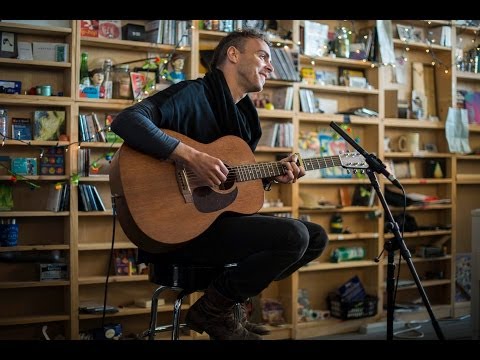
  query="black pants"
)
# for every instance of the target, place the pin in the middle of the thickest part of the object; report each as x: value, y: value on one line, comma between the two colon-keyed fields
x: 265, y: 248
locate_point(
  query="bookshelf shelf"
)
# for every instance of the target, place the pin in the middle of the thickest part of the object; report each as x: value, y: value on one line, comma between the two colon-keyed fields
x: 31, y: 284
x: 35, y: 63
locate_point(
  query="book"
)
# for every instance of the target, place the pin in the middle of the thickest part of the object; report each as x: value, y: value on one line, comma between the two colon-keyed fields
x: 5, y: 164
x: 6, y: 197
x: 315, y: 39
x: 65, y: 200
x: 24, y: 166
x: 98, y: 199
x: 53, y: 161
x: 54, y: 197
x: 21, y: 128
x: 89, y: 28
x: 48, y: 125
x: 330, y: 146
x: 100, y: 129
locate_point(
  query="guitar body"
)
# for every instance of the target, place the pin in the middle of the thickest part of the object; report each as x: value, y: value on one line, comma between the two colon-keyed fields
x: 159, y: 203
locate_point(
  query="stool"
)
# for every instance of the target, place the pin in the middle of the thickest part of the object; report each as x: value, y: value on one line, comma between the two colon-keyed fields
x: 184, y: 279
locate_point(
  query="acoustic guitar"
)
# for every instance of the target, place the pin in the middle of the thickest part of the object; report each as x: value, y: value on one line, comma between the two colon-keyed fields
x: 162, y: 204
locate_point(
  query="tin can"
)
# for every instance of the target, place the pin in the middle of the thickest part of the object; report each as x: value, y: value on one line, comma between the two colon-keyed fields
x: 46, y: 90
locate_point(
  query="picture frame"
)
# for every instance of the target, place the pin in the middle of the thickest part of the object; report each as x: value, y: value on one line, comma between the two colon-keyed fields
x: 8, y: 45
x: 405, y: 33
x: 411, y: 33
x: 418, y: 34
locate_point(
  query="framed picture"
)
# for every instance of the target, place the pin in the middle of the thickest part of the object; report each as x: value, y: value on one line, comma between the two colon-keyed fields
x: 418, y: 34
x: 411, y: 33
x: 405, y: 33
x: 8, y: 45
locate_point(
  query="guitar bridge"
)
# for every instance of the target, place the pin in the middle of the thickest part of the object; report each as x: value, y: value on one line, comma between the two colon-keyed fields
x: 182, y: 181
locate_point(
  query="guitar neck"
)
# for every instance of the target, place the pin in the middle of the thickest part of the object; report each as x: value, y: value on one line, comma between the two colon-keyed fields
x: 272, y: 169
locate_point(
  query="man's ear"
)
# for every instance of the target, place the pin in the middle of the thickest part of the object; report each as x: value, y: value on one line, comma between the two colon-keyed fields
x: 232, y: 54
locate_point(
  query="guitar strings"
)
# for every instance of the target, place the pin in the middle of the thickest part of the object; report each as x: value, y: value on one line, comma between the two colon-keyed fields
x: 247, y: 169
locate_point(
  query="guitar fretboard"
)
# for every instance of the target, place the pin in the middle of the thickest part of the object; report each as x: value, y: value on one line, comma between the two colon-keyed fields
x: 272, y: 169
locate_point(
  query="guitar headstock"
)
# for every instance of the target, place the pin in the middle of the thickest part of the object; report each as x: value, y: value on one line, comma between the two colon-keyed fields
x: 353, y: 160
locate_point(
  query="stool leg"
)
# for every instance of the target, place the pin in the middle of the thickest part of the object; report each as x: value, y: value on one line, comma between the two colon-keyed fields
x: 153, y: 312
x: 176, y: 314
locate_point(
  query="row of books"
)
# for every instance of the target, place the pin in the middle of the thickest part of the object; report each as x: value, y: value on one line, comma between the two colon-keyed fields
x: 277, y: 134
x: 93, y: 128
x: 307, y: 101
x: 168, y: 32
x: 89, y: 199
x: 284, y: 65
x: 58, y: 197
x: 90, y: 128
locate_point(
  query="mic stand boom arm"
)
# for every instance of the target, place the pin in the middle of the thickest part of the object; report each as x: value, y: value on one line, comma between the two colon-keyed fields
x: 375, y: 165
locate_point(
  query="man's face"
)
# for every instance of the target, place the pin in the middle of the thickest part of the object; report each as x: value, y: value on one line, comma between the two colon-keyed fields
x: 254, y: 66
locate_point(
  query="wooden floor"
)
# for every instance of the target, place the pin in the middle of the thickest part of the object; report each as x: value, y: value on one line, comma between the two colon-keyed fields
x: 452, y: 329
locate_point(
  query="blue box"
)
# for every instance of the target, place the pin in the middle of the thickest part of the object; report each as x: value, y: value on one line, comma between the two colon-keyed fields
x: 10, y: 87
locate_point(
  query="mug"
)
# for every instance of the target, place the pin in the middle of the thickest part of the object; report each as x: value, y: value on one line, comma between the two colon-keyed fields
x: 409, y: 142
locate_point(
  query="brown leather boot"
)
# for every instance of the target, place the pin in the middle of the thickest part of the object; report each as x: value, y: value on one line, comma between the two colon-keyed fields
x: 252, y: 327
x: 214, y: 314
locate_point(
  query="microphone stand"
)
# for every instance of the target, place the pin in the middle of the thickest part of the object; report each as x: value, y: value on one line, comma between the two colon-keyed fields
x: 375, y: 165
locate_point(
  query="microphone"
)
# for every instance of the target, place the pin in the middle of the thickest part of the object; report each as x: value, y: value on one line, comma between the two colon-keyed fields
x: 373, y: 162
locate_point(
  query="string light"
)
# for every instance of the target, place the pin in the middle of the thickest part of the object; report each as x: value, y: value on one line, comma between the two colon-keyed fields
x: 436, y: 61
x: 74, y: 177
